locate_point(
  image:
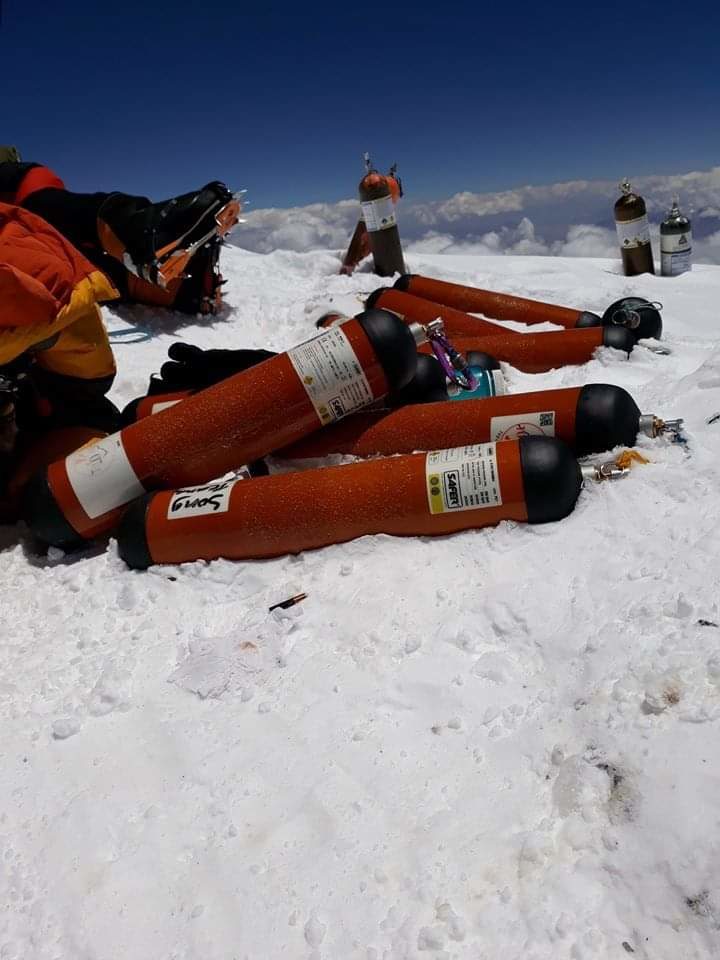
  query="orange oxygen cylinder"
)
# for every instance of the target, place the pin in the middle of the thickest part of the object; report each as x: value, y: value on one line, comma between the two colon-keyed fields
x: 234, y: 422
x: 428, y: 385
x: 534, y: 479
x: 416, y: 309
x: 359, y: 247
x: 499, y: 306
x: 637, y: 314
x: 539, y: 352
x: 590, y: 419
x: 35, y: 453
x: 378, y: 213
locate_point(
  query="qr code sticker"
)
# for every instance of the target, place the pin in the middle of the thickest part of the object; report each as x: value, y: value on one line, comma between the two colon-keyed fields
x: 546, y: 419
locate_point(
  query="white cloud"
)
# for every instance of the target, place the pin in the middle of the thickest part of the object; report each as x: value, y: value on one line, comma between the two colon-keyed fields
x: 573, y: 218
x: 587, y: 240
x: 581, y: 240
x: 318, y: 226
x: 707, y: 250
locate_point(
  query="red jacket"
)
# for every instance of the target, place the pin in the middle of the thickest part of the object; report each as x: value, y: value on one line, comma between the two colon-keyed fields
x: 19, y: 180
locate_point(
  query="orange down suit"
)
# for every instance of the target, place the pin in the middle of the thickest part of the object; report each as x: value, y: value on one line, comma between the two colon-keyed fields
x: 51, y: 328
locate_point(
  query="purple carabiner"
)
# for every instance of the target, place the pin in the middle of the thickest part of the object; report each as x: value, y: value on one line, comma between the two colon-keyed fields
x: 454, y: 364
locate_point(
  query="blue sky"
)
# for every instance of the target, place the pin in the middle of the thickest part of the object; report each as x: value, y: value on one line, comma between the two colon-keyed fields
x: 158, y: 97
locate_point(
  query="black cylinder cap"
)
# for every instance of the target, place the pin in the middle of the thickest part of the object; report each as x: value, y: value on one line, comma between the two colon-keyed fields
x: 403, y: 282
x: 588, y: 319
x: 606, y: 416
x: 427, y: 386
x: 650, y: 325
x: 374, y: 296
x: 394, y: 345
x: 129, y: 414
x: 44, y: 518
x: 327, y: 319
x: 476, y: 358
x: 132, y: 534
x: 258, y: 468
x: 619, y: 337
x: 551, y: 478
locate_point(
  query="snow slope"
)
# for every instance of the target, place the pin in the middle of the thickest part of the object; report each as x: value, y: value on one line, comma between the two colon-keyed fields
x: 497, y: 744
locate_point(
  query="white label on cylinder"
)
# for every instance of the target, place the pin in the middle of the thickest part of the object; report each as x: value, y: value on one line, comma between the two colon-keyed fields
x: 378, y: 214
x: 499, y: 382
x: 163, y: 405
x: 102, y: 477
x: 332, y: 375
x: 631, y: 233
x: 516, y: 425
x: 462, y: 478
x: 200, y: 501
x: 675, y: 253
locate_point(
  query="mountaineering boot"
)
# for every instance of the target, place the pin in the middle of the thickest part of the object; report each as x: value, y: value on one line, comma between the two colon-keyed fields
x: 155, y: 241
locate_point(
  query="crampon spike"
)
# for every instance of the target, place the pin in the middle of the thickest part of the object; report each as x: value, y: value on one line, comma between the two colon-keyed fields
x: 173, y: 265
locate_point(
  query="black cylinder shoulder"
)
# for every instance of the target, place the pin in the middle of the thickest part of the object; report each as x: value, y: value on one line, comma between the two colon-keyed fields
x: 132, y: 534
x: 403, y: 282
x: 588, y: 319
x: 483, y: 361
x: 129, y: 414
x: 43, y: 516
x: 618, y: 337
x: 258, y: 468
x: 606, y: 416
x: 393, y: 343
x: 551, y: 478
x: 638, y: 310
x: 375, y: 296
x: 427, y: 386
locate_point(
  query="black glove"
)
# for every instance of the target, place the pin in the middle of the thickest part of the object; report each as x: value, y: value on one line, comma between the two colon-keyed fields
x: 190, y: 368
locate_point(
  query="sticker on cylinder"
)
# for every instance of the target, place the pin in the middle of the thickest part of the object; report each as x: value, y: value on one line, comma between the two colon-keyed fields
x: 102, y: 477
x: 378, y: 214
x: 332, y: 375
x: 163, y: 405
x: 499, y: 382
x: 516, y: 425
x: 201, y: 501
x: 631, y: 233
x: 675, y: 253
x: 463, y: 478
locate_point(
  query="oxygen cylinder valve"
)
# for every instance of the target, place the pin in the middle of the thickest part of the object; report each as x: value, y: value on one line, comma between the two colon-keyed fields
x: 598, y: 472
x: 653, y: 426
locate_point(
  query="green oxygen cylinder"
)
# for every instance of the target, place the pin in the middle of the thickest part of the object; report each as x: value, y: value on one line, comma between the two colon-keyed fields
x: 675, y: 242
x: 633, y: 232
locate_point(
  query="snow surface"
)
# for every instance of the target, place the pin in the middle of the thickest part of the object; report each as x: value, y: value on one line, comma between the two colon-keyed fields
x: 498, y: 744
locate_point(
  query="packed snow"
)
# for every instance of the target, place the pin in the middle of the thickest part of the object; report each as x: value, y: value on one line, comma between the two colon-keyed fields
x: 497, y: 744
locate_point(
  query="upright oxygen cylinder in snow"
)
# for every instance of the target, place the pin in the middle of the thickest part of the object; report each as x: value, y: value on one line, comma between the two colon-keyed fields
x: 378, y: 212
x: 359, y: 247
x: 675, y: 242
x: 633, y: 231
